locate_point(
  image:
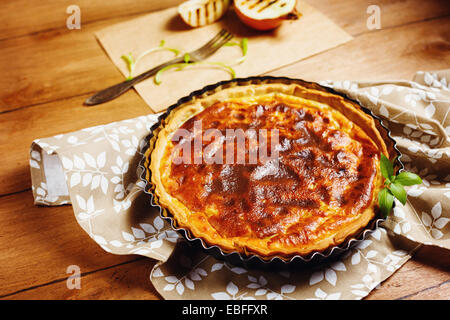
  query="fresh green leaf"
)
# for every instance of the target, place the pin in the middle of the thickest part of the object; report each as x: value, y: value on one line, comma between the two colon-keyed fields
x: 408, y: 179
x: 387, y: 168
x: 398, y: 191
x: 394, y: 185
x: 385, y: 201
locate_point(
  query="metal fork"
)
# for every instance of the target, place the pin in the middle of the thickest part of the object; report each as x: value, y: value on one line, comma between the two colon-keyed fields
x: 197, y: 55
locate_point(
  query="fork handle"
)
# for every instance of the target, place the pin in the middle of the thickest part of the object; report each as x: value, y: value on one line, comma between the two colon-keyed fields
x: 120, y: 88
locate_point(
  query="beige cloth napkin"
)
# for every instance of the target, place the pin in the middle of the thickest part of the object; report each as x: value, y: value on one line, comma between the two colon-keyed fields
x: 95, y: 169
x: 294, y: 40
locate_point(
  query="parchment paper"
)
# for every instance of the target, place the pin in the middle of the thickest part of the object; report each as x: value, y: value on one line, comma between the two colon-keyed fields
x: 293, y: 41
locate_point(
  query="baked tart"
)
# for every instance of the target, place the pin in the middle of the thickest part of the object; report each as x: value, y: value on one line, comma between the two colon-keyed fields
x: 315, y: 188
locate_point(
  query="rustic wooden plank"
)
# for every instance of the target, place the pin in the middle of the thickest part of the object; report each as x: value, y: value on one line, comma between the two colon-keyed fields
x: 19, y: 128
x: 439, y: 292
x: 38, y: 244
x: 417, y: 279
x: 54, y: 65
x: 352, y: 15
x: 125, y: 281
x: 61, y: 63
x: 36, y: 16
x: 423, y: 277
x: 395, y: 53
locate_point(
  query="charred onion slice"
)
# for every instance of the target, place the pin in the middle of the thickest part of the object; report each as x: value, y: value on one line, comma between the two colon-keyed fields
x: 265, y: 14
x: 197, y: 13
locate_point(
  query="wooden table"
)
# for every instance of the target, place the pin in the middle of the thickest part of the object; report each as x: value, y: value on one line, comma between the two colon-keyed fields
x: 47, y: 71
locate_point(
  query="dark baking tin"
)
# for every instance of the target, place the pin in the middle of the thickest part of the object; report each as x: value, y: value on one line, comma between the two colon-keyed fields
x: 253, y: 260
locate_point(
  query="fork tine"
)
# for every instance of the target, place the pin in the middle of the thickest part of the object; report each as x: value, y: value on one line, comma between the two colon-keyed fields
x: 208, y: 45
x: 227, y: 38
x: 217, y: 45
x: 214, y: 39
x: 204, y: 51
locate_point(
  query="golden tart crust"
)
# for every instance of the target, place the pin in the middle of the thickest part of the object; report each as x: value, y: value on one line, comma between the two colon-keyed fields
x: 323, y: 191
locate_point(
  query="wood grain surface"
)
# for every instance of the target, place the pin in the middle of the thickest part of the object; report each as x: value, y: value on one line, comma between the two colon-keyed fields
x: 47, y: 73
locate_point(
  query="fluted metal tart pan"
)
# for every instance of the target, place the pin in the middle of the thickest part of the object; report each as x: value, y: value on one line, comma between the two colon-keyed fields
x: 254, y: 260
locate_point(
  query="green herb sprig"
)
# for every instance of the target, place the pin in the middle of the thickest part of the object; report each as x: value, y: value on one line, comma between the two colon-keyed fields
x: 131, y: 62
x: 227, y: 66
x: 394, y: 185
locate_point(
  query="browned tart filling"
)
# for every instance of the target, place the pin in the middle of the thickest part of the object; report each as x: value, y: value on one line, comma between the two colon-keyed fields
x: 319, y: 190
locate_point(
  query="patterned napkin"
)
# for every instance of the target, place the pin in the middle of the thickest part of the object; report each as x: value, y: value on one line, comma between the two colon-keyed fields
x: 96, y: 170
